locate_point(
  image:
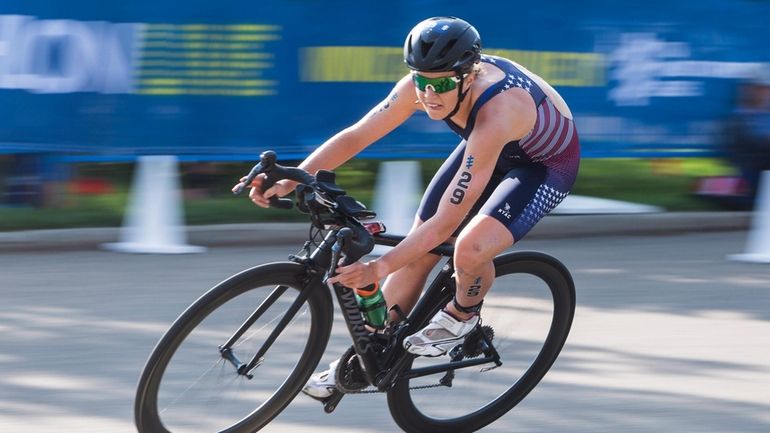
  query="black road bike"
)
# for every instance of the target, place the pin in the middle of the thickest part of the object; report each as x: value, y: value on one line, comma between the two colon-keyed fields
x: 240, y: 354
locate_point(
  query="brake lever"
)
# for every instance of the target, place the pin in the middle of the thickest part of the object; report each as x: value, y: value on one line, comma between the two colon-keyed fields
x: 250, y: 178
x: 336, y: 251
x: 266, y: 166
x: 343, y: 235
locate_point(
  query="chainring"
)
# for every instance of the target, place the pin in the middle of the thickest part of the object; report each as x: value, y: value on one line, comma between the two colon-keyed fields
x: 349, y: 376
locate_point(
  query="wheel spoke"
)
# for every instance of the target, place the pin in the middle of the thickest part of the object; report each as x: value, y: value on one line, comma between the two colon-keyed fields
x: 529, y: 311
x: 182, y: 390
x: 191, y: 386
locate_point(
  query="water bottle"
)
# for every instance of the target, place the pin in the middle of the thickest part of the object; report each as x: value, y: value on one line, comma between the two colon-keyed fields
x: 372, y: 305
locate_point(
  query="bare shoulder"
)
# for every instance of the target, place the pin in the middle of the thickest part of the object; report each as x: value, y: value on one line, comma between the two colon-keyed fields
x: 549, y: 91
x: 510, y: 115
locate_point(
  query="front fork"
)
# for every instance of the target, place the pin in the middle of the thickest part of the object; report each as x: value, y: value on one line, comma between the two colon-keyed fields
x: 226, y: 351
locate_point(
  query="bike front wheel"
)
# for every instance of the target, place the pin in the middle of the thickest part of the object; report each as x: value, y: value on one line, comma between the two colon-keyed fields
x: 527, y: 314
x: 191, y: 384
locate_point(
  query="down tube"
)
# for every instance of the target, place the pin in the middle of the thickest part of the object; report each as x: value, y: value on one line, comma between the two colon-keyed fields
x: 362, y: 340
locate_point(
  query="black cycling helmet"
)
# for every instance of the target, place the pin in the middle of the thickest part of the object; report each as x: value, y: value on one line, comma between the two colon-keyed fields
x: 442, y: 44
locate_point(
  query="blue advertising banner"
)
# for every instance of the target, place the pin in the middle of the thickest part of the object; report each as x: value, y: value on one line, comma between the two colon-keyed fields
x: 225, y: 80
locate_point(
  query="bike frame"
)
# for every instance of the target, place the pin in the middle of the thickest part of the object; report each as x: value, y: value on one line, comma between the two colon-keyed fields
x: 378, y: 372
x: 440, y: 291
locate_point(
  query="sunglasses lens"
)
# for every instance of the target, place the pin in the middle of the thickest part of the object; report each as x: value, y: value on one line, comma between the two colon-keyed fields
x: 438, y: 85
x: 442, y: 86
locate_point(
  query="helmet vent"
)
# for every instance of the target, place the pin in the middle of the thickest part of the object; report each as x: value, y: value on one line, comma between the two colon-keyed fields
x: 447, y: 48
x: 426, y: 46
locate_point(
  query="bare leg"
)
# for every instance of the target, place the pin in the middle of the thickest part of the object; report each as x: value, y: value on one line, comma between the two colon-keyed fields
x: 404, y: 286
x: 479, y: 242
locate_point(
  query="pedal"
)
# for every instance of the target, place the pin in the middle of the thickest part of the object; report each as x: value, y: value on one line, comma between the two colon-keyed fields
x: 456, y: 353
x: 486, y: 369
x: 330, y: 403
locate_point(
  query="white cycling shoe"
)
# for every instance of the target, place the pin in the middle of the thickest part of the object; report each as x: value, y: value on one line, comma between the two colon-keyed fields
x: 322, y: 384
x: 443, y: 333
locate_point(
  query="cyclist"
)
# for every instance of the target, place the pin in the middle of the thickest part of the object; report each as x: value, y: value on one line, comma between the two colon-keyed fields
x: 517, y: 160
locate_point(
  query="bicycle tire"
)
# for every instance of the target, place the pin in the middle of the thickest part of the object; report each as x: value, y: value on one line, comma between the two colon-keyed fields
x: 219, y: 301
x: 553, y: 274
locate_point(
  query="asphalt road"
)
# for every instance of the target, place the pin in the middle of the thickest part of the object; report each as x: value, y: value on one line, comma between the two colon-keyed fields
x: 669, y: 337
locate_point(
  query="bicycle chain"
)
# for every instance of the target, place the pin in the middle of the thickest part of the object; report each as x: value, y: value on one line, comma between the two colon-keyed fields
x: 343, y: 370
x: 471, y: 347
x: 375, y: 391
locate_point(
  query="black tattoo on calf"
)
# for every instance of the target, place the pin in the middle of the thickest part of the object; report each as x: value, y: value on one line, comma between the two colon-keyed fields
x: 475, y: 288
x: 459, y: 193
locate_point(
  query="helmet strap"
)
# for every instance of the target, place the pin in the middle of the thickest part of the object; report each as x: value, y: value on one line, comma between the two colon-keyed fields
x: 460, y: 97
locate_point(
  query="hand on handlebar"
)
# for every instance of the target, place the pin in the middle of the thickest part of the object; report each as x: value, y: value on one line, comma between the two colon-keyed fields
x: 262, y: 199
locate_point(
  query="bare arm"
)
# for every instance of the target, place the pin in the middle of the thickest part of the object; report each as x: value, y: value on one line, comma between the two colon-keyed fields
x: 380, y: 120
x: 383, y: 118
x: 499, y: 121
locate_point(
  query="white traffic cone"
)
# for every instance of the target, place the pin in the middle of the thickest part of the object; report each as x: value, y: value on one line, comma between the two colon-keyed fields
x: 154, y: 217
x: 396, y: 197
x: 758, y: 244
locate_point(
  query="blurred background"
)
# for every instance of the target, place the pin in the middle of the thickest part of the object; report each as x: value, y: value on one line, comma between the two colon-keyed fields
x: 85, y: 87
x: 670, y: 99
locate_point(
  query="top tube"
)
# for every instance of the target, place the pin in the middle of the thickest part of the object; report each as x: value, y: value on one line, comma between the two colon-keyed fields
x: 445, y: 249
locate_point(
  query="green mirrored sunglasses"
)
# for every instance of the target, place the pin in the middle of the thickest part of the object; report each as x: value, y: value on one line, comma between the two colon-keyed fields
x: 438, y: 85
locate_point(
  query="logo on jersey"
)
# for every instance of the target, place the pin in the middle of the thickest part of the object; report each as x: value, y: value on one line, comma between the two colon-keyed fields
x: 506, y: 212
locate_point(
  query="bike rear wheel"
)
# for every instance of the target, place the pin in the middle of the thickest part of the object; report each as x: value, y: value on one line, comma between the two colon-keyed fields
x: 188, y: 386
x: 530, y: 310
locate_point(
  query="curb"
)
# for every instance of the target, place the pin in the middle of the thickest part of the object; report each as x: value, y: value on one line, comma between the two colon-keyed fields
x: 639, y: 224
x: 552, y: 227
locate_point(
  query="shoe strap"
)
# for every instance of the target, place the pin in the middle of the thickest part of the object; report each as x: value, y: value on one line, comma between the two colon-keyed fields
x: 444, y: 320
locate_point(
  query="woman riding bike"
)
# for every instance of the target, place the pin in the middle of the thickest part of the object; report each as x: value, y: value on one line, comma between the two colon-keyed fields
x: 517, y: 160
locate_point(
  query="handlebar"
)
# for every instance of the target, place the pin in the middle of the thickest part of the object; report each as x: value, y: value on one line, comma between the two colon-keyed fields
x: 274, y: 173
x: 355, y: 241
